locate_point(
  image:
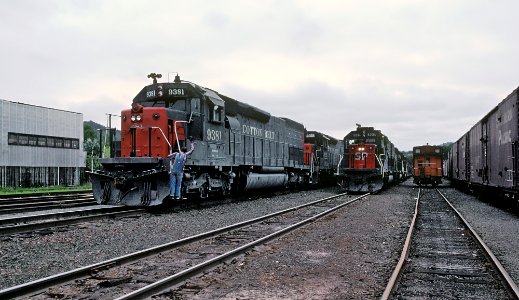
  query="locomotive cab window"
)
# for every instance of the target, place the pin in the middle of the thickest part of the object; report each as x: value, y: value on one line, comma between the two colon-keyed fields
x: 215, y: 113
x: 195, y: 105
x: 179, y: 104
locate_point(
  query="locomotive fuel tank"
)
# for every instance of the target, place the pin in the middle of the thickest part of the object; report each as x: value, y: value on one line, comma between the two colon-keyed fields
x: 260, y: 181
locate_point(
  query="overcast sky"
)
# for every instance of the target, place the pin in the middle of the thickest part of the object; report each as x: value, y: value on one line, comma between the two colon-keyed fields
x: 420, y: 71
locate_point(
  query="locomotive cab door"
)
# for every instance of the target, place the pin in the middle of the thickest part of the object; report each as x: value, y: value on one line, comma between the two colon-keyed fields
x: 195, y: 126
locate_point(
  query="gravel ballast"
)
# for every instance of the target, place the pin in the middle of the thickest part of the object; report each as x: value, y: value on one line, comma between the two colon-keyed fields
x: 27, y: 257
x: 498, y: 227
x: 348, y: 255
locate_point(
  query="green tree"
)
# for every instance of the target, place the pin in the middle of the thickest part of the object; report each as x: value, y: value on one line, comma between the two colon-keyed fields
x: 89, y: 133
x: 91, y: 146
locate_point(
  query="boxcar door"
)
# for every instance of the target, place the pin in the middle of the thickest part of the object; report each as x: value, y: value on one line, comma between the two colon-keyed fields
x: 468, y: 168
x: 484, y: 150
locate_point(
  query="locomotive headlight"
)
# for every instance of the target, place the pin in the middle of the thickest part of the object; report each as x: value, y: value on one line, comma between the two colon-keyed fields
x: 139, y: 118
x: 133, y: 118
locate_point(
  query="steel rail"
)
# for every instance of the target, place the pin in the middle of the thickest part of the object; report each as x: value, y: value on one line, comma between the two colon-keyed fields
x: 49, y: 195
x: 403, y: 257
x: 167, y: 282
x: 60, y: 215
x: 40, y: 284
x: 42, y: 198
x: 12, y: 229
x: 507, y: 280
x: 38, y: 206
x: 499, y: 267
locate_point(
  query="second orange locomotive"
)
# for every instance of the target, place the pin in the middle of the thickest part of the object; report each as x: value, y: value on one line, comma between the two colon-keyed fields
x: 427, y: 165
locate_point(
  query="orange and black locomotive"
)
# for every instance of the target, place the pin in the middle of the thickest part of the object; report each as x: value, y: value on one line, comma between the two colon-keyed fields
x: 370, y: 162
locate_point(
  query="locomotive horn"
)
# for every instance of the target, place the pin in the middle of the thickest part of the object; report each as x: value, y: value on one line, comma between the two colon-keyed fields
x: 154, y: 76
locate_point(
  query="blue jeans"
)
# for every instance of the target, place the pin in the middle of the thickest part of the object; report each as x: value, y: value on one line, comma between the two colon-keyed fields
x: 175, y: 184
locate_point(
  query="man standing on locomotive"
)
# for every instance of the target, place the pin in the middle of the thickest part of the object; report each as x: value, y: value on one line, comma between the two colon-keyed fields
x: 176, y: 170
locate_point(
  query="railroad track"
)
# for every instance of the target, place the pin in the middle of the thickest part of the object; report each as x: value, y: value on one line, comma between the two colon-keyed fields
x: 155, y: 270
x: 51, y: 219
x: 45, y: 202
x: 444, y: 257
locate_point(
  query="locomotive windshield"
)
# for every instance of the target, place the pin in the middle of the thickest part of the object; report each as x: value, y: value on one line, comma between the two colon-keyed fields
x: 153, y: 103
x: 177, y: 104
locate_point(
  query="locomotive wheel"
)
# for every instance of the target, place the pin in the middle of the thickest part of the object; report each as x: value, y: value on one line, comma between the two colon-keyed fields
x: 204, y: 193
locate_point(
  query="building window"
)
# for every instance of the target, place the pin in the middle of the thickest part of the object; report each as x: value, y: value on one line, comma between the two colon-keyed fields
x: 12, y: 138
x: 42, y: 141
x: 59, y: 143
x: 33, y: 140
x: 22, y: 139
x: 50, y: 142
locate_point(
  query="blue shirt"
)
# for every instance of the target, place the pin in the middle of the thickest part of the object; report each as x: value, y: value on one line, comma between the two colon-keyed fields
x: 178, y: 160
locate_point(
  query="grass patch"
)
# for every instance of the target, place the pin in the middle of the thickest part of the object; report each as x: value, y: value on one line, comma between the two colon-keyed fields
x: 47, y: 189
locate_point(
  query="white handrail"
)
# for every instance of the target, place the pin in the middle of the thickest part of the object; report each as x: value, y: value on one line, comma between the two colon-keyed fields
x: 176, y: 134
x: 155, y: 127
